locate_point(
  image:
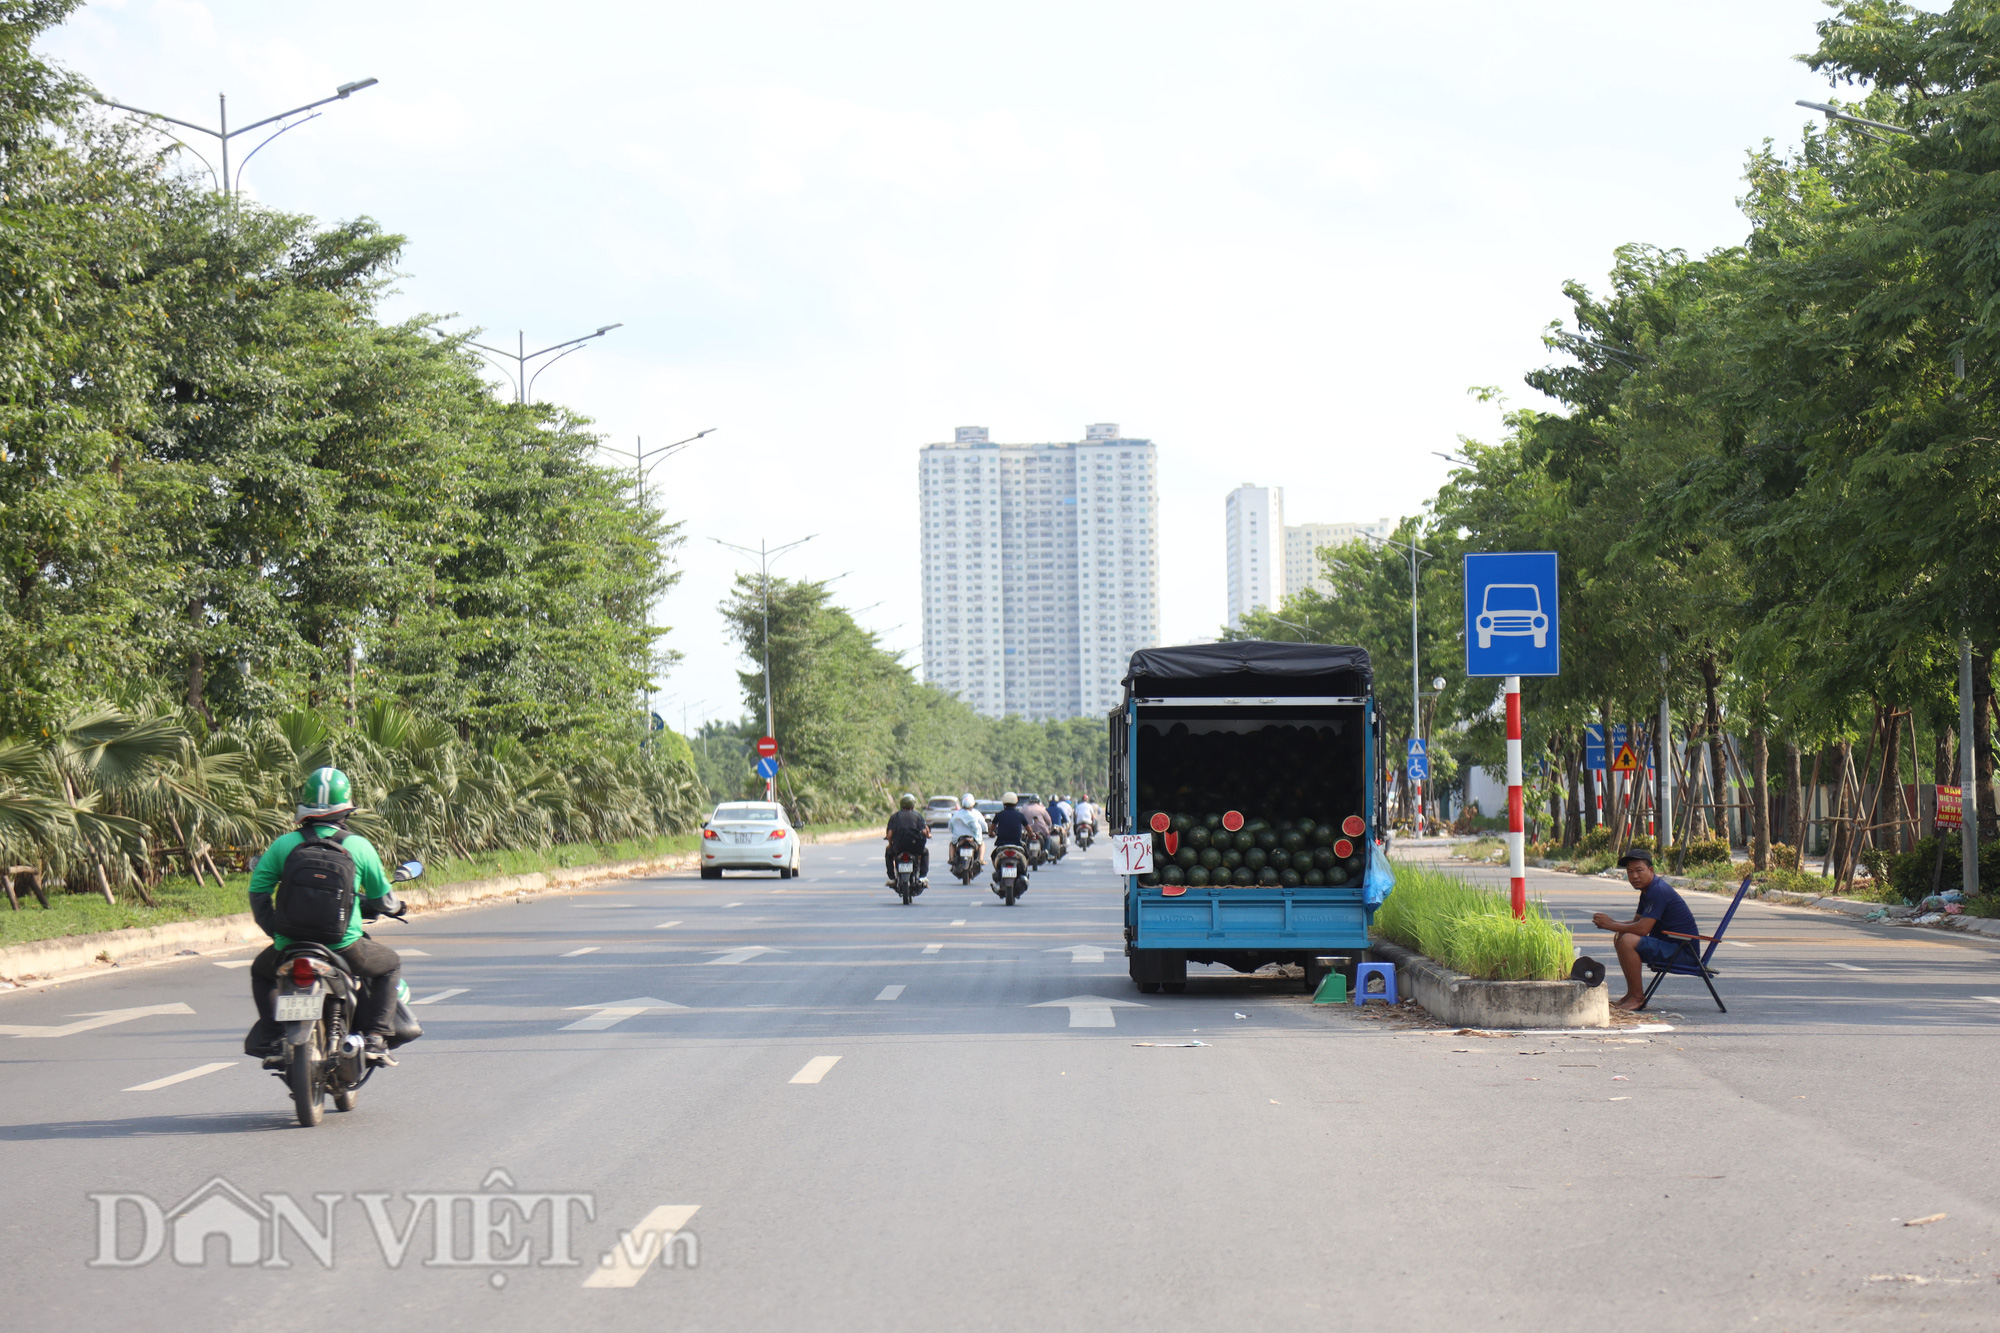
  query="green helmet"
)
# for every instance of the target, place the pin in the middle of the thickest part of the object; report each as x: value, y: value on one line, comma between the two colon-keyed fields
x: 908, y: 801
x: 326, y: 792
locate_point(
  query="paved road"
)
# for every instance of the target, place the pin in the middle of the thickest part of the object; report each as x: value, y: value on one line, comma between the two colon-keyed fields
x: 882, y: 1122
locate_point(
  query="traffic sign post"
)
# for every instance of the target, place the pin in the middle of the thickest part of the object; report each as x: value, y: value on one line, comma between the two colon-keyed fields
x: 1513, y: 628
x: 767, y: 747
x: 1419, y: 764
x: 767, y: 768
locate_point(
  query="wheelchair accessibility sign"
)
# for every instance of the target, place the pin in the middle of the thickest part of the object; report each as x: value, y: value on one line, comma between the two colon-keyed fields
x: 1511, y: 619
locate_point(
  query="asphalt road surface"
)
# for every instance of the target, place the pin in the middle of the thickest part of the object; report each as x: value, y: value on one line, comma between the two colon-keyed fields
x: 750, y: 1104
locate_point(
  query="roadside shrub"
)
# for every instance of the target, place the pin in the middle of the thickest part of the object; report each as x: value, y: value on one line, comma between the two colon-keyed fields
x: 1472, y: 929
x: 1986, y: 904
x: 1596, y: 839
x: 1784, y: 856
x: 1911, y: 871
x: 1786, y: 880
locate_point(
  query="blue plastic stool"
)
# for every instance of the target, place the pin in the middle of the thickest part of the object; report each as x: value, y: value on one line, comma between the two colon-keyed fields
x: 1386, y: 971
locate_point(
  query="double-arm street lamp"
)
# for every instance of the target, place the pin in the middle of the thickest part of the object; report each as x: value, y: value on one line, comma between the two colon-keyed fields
x: 765, y: 555
x: 222, y: 134
x: 644, y: 460
x: 523, y: 382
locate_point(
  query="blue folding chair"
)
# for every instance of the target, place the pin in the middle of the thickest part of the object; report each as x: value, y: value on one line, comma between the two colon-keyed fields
x: 1691, y: 960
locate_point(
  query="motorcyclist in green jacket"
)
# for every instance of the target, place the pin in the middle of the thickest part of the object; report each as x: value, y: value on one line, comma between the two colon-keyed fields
x: 325, y: 804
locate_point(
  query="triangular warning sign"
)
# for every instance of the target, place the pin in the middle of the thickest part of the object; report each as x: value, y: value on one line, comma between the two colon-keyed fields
x: 1627, y: 760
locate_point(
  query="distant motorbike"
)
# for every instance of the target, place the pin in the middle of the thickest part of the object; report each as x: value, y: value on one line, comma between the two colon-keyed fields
x: 908, y: 883
x: 1059, y: 843
x: 965, y: 858
x: 1084, y: 833
x: 1010, y: 873
x: 1037, y: 849
x: 317, y: 998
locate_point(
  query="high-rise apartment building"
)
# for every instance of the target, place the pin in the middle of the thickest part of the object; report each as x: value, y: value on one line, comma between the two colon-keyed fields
x: 1303, y: 567
x: 1254, y: 533
x: 1041, y: 569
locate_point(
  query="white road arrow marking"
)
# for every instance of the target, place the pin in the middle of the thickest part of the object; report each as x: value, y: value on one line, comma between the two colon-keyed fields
x: 1081, y: 953
x: 181, y: 1077
x: 742, y: 955
x: 1089, y: 1011
x: 103, y: 1018
x: 638, y: 1248
x: 616, y: 1011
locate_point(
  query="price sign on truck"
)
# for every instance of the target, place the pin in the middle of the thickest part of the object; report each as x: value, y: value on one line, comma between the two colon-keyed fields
x: 1133, y: 853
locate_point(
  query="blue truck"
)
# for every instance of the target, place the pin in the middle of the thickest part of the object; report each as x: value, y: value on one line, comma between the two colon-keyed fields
x: 1254, y: 768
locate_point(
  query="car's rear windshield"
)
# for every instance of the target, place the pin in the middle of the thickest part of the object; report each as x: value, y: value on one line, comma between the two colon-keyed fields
x: 763, y: 812
x: 943, y: 803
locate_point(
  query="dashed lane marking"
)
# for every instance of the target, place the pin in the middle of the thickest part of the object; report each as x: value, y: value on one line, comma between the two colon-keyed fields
x: 637, y: 1249
x: 742, y: 955
x: 890, y: 992
x: 666, y: 925
x: 959, y: 922
x: 181, y: 1077
x: 933, y: 948
x: 413, y: 953
x: 441, y: 995
x: 729, y: 905
x: 816, y: 1069
x: 578, y: 953
x: 237, y: 962
x: 1990, y: 999
x: 1849, y: 967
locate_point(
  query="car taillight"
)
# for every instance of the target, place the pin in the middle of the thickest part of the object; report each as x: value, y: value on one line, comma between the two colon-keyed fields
x: 777, y: 833
x: 711, y: 834
x: 302, y: 972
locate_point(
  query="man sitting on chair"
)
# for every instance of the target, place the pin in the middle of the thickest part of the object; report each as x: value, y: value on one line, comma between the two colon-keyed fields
x: 1643, y: 939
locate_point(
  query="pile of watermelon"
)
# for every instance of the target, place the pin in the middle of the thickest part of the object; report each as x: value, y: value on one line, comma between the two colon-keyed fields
x: 1226, y: 849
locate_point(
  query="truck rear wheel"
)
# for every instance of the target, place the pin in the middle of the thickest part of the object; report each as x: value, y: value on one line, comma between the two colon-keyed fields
x: 1173, y: 987
x: 1149, y: 987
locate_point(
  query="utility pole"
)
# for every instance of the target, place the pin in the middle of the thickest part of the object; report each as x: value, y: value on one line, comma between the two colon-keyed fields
x: 1663, y: 758
x: 764, y: 558
x: 1416, y: 688
x: 644, y: 460
x: 227, y: 186
x: 1968, y: 773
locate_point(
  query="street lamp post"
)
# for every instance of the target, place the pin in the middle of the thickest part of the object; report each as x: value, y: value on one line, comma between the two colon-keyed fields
x: 230, y: 188
x: 640, y: 454
x: 1303, y: 631
x: 1416, y: 554
x: 524, y: 383
x: 765, y: 555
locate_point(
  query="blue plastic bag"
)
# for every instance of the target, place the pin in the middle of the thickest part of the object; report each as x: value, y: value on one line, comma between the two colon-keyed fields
x: 1375, y: 885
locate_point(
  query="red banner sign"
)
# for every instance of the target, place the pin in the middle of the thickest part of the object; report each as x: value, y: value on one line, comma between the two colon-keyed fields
x: 1948, y: 807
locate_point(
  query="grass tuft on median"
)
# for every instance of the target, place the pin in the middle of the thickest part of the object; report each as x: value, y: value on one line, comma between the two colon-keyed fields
x: 1473, y: 930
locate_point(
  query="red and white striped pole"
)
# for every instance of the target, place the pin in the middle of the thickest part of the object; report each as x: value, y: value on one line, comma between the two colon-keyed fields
x: 1517, y: 862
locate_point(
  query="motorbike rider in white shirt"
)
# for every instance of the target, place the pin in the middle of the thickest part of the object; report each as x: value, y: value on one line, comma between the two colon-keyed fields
x: 966, y: 820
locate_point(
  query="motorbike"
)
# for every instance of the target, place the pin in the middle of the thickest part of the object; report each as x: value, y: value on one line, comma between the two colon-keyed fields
x: 1059, y: 843
x: 1037, y: 849
x: 965, y: 858
x: 1084, y: 833
x: 908, y: 883
x: 1010, y: 873
x: 322, y: 1056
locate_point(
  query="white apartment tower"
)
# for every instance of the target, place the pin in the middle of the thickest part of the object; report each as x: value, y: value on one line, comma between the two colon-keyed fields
x: 1041, y: 569
x: 1255, y: 537
x: 1303, y: 541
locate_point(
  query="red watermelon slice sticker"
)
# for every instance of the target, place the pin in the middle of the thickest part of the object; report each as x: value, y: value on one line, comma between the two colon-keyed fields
x: 1161, y: 822
x: 1173, y: 842
x: 1342, y: 848
x: 1353, y: 826
x: 1233, y: 821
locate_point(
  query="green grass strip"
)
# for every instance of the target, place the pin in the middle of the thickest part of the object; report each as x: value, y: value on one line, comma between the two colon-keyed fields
x: 1473, y: 930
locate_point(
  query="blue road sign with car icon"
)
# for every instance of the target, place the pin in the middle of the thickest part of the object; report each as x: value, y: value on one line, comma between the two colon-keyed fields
x: 1511, y: 618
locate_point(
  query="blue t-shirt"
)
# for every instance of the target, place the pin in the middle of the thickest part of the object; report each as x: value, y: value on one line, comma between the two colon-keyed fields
x: 1667, y: 908
x: 1009, y: 826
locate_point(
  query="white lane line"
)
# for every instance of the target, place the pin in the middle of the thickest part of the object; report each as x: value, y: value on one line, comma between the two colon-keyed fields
x: 1740, y: 944
x: 666, y: 925
x: 959, y: 922
x: 617, y: 1011
x: 578, y: 953
x: 1848, y: 967
x: 413, y: 953
x: 181, y: 1077
x: 441, y: 995
x: 933, y: 948
x: 816, y: 1069
x: 890, y: 992
x: 237, y: 962
x: 729, y: 905
x: 742, y: 955
x: 1080, y: 953
x: 638, y: 1248
x: 1990, y: 999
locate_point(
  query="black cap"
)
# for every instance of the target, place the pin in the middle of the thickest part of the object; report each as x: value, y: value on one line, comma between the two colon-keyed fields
x: 1635, y: 854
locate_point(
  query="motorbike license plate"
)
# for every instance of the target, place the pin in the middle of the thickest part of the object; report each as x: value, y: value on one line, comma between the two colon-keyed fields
x: 300, y: 1007
x: 1007, y: 872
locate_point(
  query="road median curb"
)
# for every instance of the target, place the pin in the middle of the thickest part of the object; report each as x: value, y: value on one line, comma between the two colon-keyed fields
x: 1462, y: 1001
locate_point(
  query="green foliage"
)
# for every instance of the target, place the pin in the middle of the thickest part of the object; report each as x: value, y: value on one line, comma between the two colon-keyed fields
x: 1471, y: 929
x: 856, y: 729
x: 1911, y: 873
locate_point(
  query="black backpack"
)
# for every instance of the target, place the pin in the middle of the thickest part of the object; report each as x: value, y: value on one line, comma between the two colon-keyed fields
x: 315, y: 895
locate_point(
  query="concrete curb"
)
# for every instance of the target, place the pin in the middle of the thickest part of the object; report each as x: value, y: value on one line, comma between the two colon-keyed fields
x: 68, y: 956
x: 1454, y: 998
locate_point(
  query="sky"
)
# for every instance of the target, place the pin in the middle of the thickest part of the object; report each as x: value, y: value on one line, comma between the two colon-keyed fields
x: 1281, y: 240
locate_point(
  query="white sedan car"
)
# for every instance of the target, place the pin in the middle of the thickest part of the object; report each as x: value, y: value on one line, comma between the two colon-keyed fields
x: 749, y: 835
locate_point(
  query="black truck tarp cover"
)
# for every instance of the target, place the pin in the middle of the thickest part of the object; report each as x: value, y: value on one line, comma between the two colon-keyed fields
x: 1249, y: 666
